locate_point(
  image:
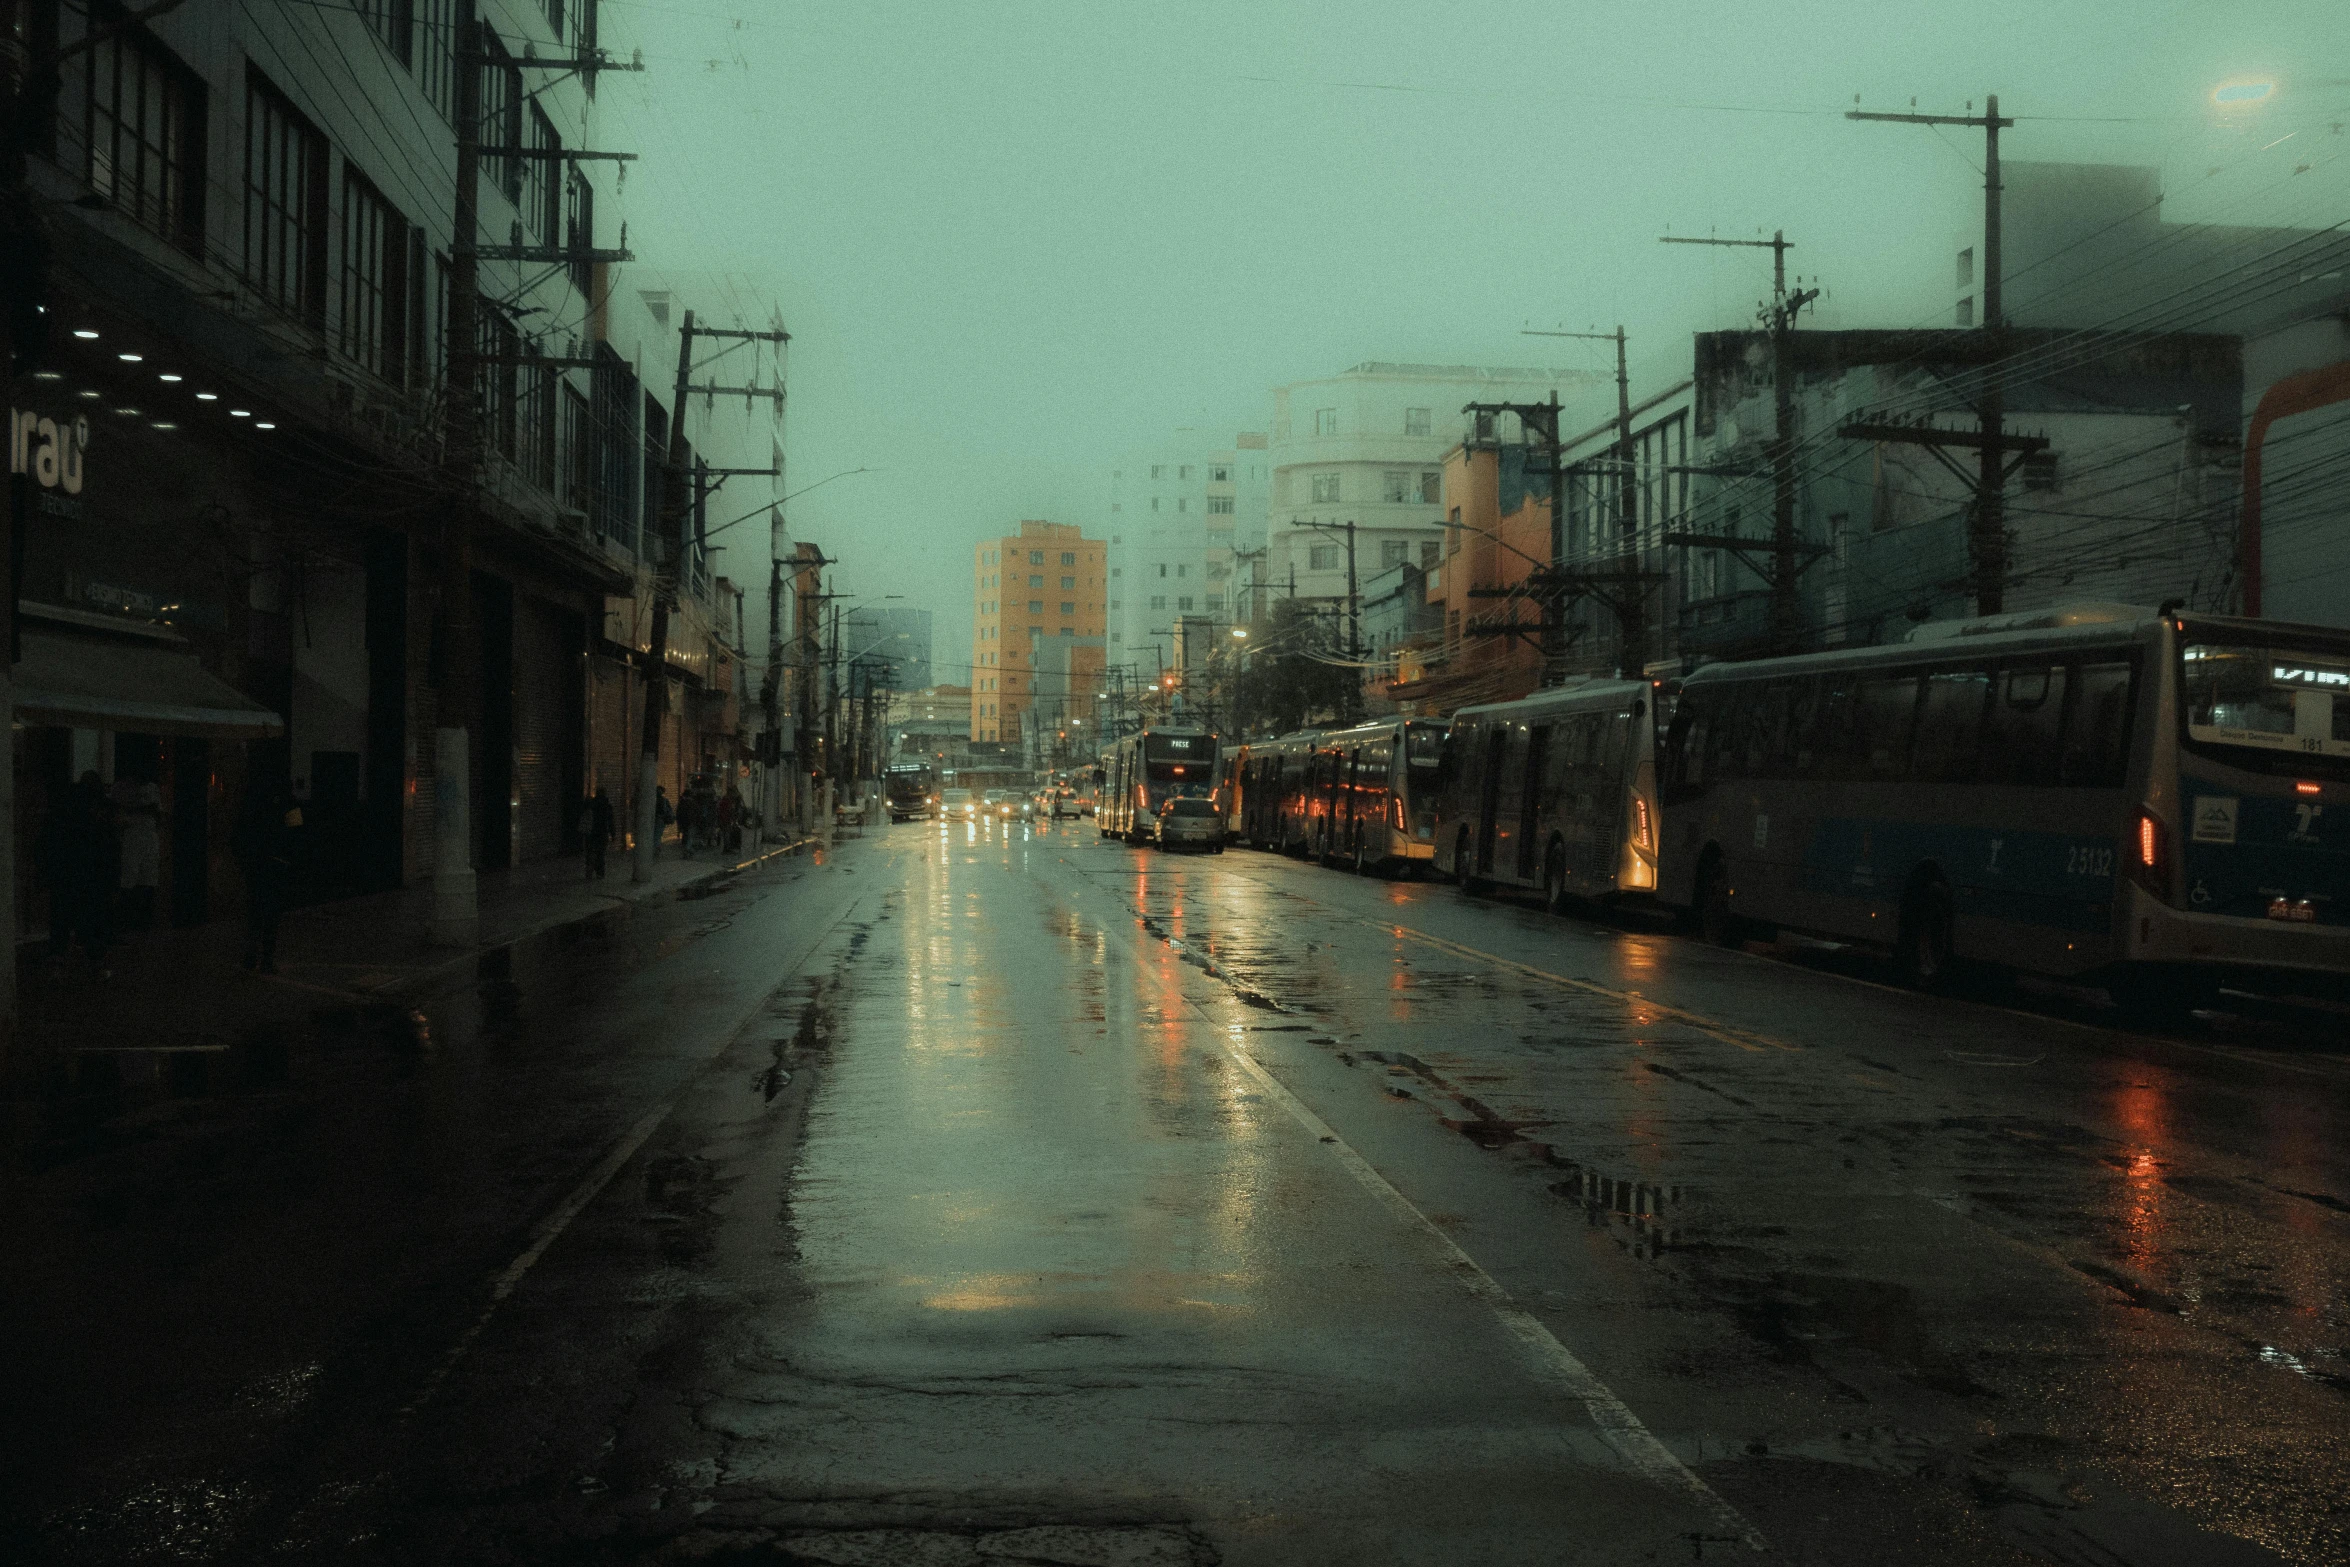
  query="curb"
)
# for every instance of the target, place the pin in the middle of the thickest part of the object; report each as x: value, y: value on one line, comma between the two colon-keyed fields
x: 408, y: 984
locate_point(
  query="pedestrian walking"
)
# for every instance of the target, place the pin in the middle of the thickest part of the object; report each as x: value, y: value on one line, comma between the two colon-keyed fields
x: 597, y: 829
x: 663, y: 814
x: 76, y: 855
x: 263, y: 841
x: 138, y: 821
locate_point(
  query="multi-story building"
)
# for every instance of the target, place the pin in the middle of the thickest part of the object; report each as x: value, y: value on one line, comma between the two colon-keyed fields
x: 249, y: 461
x: 1366, y: 447
x: 1046, y: 583
x: 1186, y: 519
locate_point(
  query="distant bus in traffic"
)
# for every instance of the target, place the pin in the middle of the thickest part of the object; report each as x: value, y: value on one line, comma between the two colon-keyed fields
x: 911, y: 789
x: 1146, y: 769
x: 2106, y: 793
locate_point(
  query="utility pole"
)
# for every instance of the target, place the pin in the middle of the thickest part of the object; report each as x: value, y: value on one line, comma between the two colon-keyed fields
x: 1779, y: 315
x: 1624, y: 585
x: 1987, y: 537
x: 456, y: 919
x: 669, y: 533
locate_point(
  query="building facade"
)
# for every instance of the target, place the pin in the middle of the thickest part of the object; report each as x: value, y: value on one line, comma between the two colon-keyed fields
x: 1046, y: 583
x: 251, y: 215
x: 1366, y: 447
x: 1186, y: 517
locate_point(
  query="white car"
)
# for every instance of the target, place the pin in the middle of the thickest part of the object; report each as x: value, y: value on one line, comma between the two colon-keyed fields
x: 1190, y: 823
x: 958, y: 805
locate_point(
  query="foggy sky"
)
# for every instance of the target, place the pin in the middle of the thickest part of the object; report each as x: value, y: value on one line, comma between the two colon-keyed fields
x: 1014, y: 238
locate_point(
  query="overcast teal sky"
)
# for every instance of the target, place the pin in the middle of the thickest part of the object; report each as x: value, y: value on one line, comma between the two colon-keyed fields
x: 1015, y: 237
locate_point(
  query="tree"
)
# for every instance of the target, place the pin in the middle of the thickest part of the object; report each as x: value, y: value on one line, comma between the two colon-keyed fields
x: 1294, y: 673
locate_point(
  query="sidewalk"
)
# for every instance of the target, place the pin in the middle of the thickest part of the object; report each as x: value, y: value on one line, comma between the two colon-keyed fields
x: 181, y: 1015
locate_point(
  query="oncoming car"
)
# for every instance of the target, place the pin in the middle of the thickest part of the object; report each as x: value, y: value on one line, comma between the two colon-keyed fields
x: 958, y: 805
x: 1190, y: 822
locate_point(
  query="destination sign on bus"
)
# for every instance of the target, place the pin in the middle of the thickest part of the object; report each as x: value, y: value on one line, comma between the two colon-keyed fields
x: 2306, y: 675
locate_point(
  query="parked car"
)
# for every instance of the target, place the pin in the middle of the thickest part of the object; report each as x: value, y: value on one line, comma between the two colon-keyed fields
x: 1190, y: 822
x: 958, y: 805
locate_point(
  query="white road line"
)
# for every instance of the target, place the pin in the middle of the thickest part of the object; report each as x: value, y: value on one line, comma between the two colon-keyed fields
x: 1622, y: 1429
x: 600, y: 1176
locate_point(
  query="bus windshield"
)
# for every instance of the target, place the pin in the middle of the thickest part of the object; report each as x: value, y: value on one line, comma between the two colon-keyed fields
x: 2269, y: 709
x: 1424, y: 744
x: 1187, y: 761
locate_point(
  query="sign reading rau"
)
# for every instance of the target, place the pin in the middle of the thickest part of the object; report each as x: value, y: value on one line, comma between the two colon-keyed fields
x: 51, y: 452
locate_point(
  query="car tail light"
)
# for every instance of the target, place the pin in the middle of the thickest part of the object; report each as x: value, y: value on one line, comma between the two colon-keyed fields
x: 2150, y: 854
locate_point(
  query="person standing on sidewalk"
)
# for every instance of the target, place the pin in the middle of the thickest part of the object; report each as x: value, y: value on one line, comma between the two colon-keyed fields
x: 263, y: 842
x: 597, y: 829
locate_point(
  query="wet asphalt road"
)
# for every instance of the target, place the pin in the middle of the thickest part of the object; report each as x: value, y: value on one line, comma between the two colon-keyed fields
x: 1003, y: 1195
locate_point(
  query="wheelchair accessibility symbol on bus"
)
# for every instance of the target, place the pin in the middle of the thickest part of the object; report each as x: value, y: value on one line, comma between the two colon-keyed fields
x: 2200, y: 896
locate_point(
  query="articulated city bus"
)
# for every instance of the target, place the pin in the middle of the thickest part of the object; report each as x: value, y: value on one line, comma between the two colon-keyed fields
x: 2103, y: 792
x: 1144, y: 770
x: 1367, y: 796
x: 1556, y: 791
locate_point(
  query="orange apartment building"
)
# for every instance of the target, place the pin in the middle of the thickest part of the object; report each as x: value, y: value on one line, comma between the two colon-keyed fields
x: 1040, y: 618
x: 1497, y: 517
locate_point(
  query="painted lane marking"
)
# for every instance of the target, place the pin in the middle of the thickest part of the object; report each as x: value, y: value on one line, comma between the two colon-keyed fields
x: 1744, y: 1039
x: 600, y: 1175
x: 1553, y: 1361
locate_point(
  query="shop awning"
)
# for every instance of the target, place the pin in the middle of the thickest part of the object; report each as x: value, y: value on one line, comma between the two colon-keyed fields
x: 133, y: 687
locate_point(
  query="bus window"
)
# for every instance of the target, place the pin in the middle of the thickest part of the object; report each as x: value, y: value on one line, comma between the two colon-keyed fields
x: 1881, y: 726
x: 2097, y: 739
x: 1828, y: 739
x: 1766, y: 728
x: 1685, y: 745
x: 1725, y: 746
x: 2023, y: 730
x: 1950, y: 719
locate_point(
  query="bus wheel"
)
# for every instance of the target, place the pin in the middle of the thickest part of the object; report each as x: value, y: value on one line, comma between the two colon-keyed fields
x: 1926, y: 936
x: 1715, y: 922
x: 1554, y: 880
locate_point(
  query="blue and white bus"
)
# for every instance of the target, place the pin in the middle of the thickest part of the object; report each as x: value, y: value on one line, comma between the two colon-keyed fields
x: 2102, y: 793
x: 1144, y: 770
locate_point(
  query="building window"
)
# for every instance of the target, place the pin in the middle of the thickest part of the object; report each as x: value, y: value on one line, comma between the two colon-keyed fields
x: 1215, y: 601
x: 1154, y: 503
x: 1452, y: 630
x: 1966, y: 311
x: 1431, y: 487
x: 1036, y: 557
x: 579, y: 452
x: 1452, y: 535
x: 1429, y: 550
x: 1035, y: 581
x: 392, y: 21
x: 2040, y: 471
x: 1220, y: 473
x: 1219, y: 505
x: 1395, y: 488
x: 1068, y: 557
x: 435, y: 58
x: 1117, y: 571
x: 1415, y: 421
x: 1183, y: 503
x: 1183, y: 604
x: 1036, y: 606
x: 1325, y: 488
x: 1162, y: 568
x: 1322, y: 557
x: 375, y: 285
x: 1966, y: 267
x: 1394, y: 552
x: 1184, y: 472
x: 1068, y: 608
x: 143, y: 125
x: 538, y: 181
x: 1158, y: 601
x: 1067, y: 583
x: 1183, y: 571
x: 1068, y: 631
x: 1325, y: 421
x: 1158, y: 470
x: 285, y: 203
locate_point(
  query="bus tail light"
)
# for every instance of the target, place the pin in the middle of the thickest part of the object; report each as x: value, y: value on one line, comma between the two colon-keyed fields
x: 2150, y: 856
x: 1642, y: 837
x: 1395, y: 811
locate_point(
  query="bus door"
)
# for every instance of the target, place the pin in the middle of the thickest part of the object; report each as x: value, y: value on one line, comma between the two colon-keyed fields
x: 1489, y: 752
x: 1353, y: 794
x: 1530, y: 834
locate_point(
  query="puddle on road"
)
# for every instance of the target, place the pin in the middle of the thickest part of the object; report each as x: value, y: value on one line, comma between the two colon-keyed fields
x: 1807, y: 1319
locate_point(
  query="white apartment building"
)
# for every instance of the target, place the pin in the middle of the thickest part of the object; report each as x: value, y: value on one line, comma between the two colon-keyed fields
x: 1367, y: 446
x: 1185, y: 516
